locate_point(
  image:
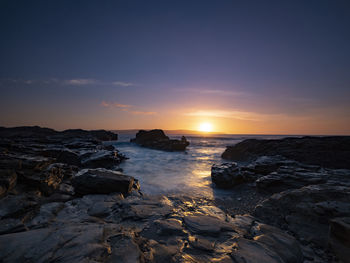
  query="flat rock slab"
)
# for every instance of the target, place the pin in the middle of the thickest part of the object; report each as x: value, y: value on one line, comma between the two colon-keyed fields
x: 101, y: 181
x: 206, y: 225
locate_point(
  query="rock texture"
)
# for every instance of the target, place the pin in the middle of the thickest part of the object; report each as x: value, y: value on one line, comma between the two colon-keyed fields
x: 156, y: 139
x: 309, y: 150
x: 101, y: 181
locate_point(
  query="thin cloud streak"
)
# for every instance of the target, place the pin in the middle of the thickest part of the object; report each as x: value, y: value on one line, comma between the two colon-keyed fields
x: 231, y: 114
x: 219, y: 92
x: 123, y: 84
x: 81, y: 81
x: 126, y: 108
x: 114, y: 105
x: 143, y: 112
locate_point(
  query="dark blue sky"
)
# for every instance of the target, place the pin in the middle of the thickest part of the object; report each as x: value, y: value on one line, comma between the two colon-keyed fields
x: 245, y: 66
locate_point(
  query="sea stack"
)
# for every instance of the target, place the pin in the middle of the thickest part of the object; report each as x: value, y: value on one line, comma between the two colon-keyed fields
x: 156, y: 139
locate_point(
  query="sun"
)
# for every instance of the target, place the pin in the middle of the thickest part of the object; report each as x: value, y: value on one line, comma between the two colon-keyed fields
x: 205, y: 127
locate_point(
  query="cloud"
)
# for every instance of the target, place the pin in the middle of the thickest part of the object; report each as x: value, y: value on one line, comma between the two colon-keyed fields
x: 114, y: 105
x: 126, y: 108
x: 219, y: 92
x: 122, y: 84
x: 80, y: 81
x: 231, y: 114
x: 143, y: 112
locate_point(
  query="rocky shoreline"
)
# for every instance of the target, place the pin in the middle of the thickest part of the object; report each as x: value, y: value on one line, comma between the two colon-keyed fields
x: 64, y: 199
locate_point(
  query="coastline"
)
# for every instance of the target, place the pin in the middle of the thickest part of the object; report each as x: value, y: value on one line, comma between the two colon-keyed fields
x: 41, y: 200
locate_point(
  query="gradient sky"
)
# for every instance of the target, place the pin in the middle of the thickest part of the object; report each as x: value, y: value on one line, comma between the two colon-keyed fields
x: 273, y: 67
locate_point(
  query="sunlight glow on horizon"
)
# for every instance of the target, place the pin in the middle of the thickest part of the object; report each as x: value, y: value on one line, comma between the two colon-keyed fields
x: 205, y: 127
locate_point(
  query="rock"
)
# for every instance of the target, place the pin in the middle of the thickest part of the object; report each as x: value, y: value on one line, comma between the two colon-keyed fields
x: 156, y: 139
x: 8, y: 180
x: 36, y: 131
x: 101, y: 181
x: 124, y: 249
x: 11, y: 225
x: 307, y: 211
x: 72, y: 243
x: 206, y: 225
x: 169, y: 226
x: 281, y: 180
x: 101, y: 159
x: 339, y: 237
x: 226, y: 175
x: 284, y: 245
x: 309, y: 150
x: 246, y: 250
x: 51, y: 178
x: 68, y: 157
x: 17, y: 206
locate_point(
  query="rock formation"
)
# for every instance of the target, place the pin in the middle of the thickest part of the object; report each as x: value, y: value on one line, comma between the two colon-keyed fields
x: 156, y: 139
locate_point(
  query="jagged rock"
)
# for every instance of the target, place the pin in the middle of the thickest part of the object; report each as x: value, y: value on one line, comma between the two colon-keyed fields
x: 124, y: 249
x: 8, y: 180
x: 17, y: 206
x: 72, y: 243
x: 306, y: 211
x: 284, y: 179
x: 11, y: 225
x: 309, y: 150
x: 101, y: 159
x: 226, y: 175
x: 156, y: 139
x: 101, y: 181
x: 68, y: 157
x: 339, y: 237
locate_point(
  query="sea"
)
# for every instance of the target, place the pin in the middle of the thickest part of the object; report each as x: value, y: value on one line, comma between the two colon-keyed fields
x: 185, y: 173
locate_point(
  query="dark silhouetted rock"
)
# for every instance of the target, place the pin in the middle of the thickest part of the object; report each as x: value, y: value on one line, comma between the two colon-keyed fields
x: 339, y: 237
x: 226, y: 175
x: 332, y: 152
x: 68, y: 157
x: 36, y: 131
x: 101, y: 159
x: 8, y: 180
x: 101, y: 181
x: 306, y: 211
x: 156, y: 139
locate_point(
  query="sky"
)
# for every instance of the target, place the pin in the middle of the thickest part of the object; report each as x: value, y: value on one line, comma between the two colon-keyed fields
x: 245, y: 67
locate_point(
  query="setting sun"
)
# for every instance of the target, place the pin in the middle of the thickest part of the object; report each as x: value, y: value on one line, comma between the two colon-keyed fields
x: 205, y: 127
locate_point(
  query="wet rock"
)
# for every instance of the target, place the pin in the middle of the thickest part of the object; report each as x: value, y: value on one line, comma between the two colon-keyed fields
x: 339, y: 237
x: 103, y: 159
x: 68, y: 157
x: 252, y: 251
x: 280, y: 180
x: 124, y: 249
x: 206, y: 225
x: 201, y: 243
x: 156, y: 139
x: 284, y: 245
x: 306, y: 211
x: 76, y: 243
x: 11, y: 225
x: 8, y: 180
x: 226, y: 175
x: 101, y: 181
x: 309, y: 150
x: 17, y: 206
x: 169, y: 226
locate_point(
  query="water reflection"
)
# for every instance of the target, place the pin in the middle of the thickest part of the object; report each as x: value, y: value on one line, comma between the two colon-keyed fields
x: 171, y: 172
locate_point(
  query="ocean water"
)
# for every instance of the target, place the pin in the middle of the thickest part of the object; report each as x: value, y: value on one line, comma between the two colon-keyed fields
x: 188, y: 172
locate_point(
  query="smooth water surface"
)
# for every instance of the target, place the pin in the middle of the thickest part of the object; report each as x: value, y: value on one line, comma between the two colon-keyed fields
x: 188, y: 172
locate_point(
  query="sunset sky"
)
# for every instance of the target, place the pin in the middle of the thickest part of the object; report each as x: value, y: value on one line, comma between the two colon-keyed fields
x: 257, y: 67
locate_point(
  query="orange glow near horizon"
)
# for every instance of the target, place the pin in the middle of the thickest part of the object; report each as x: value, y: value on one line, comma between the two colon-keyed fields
x: 205, y: 127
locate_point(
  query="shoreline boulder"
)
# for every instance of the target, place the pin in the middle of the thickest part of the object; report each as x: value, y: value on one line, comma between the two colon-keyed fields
x: 101, y: 181
x: 156, y: 139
